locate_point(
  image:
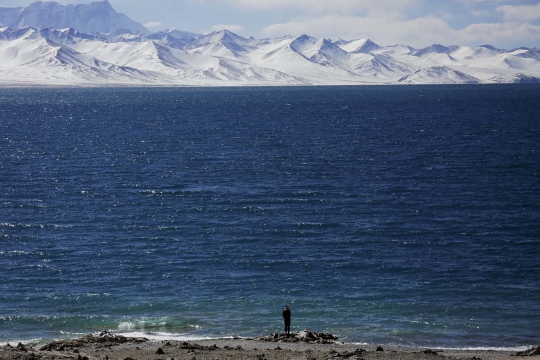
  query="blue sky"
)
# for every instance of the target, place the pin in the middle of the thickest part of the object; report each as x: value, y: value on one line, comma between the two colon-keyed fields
x: 419, y: 23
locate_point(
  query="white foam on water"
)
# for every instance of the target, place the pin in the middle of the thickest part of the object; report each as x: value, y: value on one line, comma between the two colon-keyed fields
x: 480, y: 348
x: 166, y: 336
x: 486, y: 348
x: 126, y: 326
x: 30, y: 342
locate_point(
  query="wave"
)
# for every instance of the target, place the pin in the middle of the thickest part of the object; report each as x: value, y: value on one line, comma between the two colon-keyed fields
x: 443, y: 348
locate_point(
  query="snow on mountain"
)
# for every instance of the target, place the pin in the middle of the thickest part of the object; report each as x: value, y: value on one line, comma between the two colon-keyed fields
x: 433, y: 49
x: 179, y: 34
x: 86, y: 45
x: 147, y: 56
x: 226, y: 58
x: 510, y: 61
x: 96, y: 17
x: 438, y: 75
x: 173, y: 42
x: 470, y: 53
x: 8, y: 33
x: 338, y: 41
x: 320, y: 51
x: 527, y: 53
x: 221, y: 43
x: 179, y: 64
x: 47, y: 62
x: 173, y: 38
x: 515, y: 78
x: 442, y: 59
x: 398, y: 50
x: 380, y: 66
x: 229, y: 70
x: 316, y: 60
x: 359, y: 46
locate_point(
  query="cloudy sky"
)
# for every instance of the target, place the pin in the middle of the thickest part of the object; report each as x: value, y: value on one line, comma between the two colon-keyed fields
x: 419, y: 23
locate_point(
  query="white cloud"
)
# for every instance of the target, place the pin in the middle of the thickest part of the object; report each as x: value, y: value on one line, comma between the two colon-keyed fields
x: 219, y: 27
x: 491, y: 1
x: 481, y: 13
x: 502, y: 33
x: 319, y: 6
x: 384, y: 30
x: 419, y: 32
x: 153, y: 24
x: 526, y: 13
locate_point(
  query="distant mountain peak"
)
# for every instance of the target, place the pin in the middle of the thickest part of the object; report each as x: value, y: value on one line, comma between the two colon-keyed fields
x: 435, y: 48
x: 99, y: 46
x: 305, y: 37
x: 489, y: 47
x: 359, y: 46
x: 95, y: 17
x: 223, y: 41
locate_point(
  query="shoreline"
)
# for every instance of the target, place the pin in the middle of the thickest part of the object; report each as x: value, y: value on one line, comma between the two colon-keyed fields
x: 217, y: 86
x: 157, y: 338
x: 111, y: 346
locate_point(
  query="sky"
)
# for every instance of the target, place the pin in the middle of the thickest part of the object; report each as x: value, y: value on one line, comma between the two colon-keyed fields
x: 505, y: 24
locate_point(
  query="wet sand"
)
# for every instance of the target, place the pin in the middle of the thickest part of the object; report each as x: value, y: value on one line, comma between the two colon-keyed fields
x: 115, y: 347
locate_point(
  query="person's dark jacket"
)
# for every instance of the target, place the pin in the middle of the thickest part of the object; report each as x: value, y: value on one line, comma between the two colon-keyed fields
x: 287, y: 314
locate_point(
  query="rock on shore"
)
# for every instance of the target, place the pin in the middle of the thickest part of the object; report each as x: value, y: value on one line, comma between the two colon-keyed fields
x: 307, y: 336
x: 305, y: 345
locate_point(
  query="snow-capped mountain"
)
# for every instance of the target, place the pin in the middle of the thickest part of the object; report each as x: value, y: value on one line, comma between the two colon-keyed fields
x: 96, y: 17
x: 358, y: 46
x: 105, y: 54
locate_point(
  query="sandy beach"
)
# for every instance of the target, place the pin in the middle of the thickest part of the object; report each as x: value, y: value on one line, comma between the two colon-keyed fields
x: 112, y: 347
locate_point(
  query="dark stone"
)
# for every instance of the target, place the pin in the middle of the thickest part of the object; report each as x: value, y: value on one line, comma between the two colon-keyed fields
x: 429, y: 351
x: 380, y: 348
x: 312, y: 337
x: 32, y: 356
x: 105, y: 338
x: 531, y: 352
x: 160, y: 351
x: 347, y: 354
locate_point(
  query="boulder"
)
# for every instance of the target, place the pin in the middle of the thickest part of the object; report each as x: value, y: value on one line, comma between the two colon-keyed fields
x: 105, y: 338
x: 530, y: 352
x: 305, y: 335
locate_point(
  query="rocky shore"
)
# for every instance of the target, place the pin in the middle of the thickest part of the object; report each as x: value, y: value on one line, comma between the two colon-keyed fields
x: 305, y: 345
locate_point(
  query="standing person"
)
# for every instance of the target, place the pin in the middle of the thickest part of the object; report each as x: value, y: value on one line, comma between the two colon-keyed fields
x: 287, y: 319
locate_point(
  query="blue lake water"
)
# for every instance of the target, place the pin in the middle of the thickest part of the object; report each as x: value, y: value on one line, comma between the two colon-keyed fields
x: 392, y: 215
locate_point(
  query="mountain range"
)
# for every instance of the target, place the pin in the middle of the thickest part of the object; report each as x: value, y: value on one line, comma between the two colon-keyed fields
x: 98, y: 17
x: 91, y: 44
